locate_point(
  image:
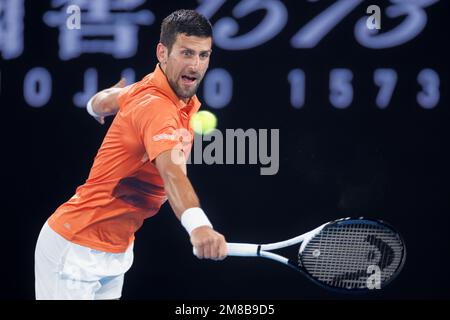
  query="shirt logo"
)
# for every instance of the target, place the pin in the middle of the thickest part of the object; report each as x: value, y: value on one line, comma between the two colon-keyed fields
x: 164, y: 136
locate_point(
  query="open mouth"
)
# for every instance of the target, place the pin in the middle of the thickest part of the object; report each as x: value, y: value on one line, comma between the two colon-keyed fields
x: 188, y: 79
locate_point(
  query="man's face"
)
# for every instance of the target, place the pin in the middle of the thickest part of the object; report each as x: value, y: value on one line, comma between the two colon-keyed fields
x: 186, y: 63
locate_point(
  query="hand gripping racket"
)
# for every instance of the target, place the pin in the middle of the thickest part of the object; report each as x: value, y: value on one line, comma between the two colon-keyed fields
x: 350, y: 254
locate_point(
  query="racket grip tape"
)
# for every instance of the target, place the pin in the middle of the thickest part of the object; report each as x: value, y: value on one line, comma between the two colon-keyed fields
x: 240, y: 250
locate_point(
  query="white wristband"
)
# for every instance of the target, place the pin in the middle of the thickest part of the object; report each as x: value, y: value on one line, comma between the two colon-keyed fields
x: 90, y: 110
x: 193, y: 218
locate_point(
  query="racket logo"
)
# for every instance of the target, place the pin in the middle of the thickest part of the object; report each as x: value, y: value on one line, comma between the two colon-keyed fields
x: 385, y: 255
x: 374, y: 280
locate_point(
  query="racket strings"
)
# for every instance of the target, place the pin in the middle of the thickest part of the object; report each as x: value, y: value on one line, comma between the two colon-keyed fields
x: 341, y: 255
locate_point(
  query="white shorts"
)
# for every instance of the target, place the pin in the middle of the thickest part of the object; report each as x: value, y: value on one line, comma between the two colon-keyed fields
x: 67, y: 271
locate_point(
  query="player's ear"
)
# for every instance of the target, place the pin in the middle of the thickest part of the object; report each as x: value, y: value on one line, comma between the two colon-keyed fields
x: 162, y: 53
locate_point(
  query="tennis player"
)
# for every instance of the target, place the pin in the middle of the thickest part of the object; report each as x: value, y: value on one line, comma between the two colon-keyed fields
x: 86, y: 246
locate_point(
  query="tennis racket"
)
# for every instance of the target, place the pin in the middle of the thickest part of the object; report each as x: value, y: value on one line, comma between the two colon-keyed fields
x: 350, y: 254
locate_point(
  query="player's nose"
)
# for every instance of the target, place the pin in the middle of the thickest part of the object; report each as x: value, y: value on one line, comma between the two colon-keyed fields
x: 194, y: 64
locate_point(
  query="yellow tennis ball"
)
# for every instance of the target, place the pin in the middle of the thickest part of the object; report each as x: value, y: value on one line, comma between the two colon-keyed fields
x: 203, y: 122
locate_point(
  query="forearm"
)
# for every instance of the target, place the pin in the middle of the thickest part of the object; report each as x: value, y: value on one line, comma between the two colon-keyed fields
x: 104, y: 103
x: 180, y: 193
x: 207, y: 242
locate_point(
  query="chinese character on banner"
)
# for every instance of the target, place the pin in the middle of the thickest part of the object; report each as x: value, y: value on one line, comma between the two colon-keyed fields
x: 107, y: 26
x: 11, y: 28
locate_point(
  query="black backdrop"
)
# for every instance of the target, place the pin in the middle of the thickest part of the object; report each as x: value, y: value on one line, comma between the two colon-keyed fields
x: 389, y: 163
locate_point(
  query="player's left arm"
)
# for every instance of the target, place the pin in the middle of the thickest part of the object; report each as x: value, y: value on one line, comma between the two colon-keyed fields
x: 207, y: 242
x: 104, y: 103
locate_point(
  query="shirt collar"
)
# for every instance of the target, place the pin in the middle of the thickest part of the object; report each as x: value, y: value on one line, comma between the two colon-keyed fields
x: 159, y: 79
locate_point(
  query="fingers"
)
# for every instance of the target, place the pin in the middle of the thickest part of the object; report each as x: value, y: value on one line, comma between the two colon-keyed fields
x: 202, y: 250
x: 208, y: 251
x: 120, y: 84
x: 220, y: 247
x: 210, y: 246
x: 100, y: 120
x: 223, y: 250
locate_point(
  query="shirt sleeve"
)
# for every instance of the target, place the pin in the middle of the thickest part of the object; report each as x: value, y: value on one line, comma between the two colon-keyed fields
x: 123, y: 95
x: 159, y: 130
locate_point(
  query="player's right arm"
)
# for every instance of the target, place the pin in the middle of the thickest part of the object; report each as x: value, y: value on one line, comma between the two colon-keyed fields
x: 104, y: 103
x: 207, y: 242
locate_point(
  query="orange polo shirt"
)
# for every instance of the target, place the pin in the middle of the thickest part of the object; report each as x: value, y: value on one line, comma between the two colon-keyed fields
x: 124, y: 186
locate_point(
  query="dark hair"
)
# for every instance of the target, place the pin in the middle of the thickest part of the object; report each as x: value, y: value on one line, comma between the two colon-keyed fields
x: 184, y: 21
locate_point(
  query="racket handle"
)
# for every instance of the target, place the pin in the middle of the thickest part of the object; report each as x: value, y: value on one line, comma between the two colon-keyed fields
x: 240, y: 250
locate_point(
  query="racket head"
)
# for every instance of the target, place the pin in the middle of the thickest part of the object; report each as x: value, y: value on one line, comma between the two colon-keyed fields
x: 352, y: 255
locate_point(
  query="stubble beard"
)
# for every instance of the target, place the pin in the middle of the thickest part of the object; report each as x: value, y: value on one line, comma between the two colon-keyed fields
x: 184, y: 94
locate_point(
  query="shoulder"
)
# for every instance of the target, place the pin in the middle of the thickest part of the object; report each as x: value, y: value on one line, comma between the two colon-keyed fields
x: 142, y: 92
x: 150, y: 109
x: 151, y: 104
x: 145, y: 99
